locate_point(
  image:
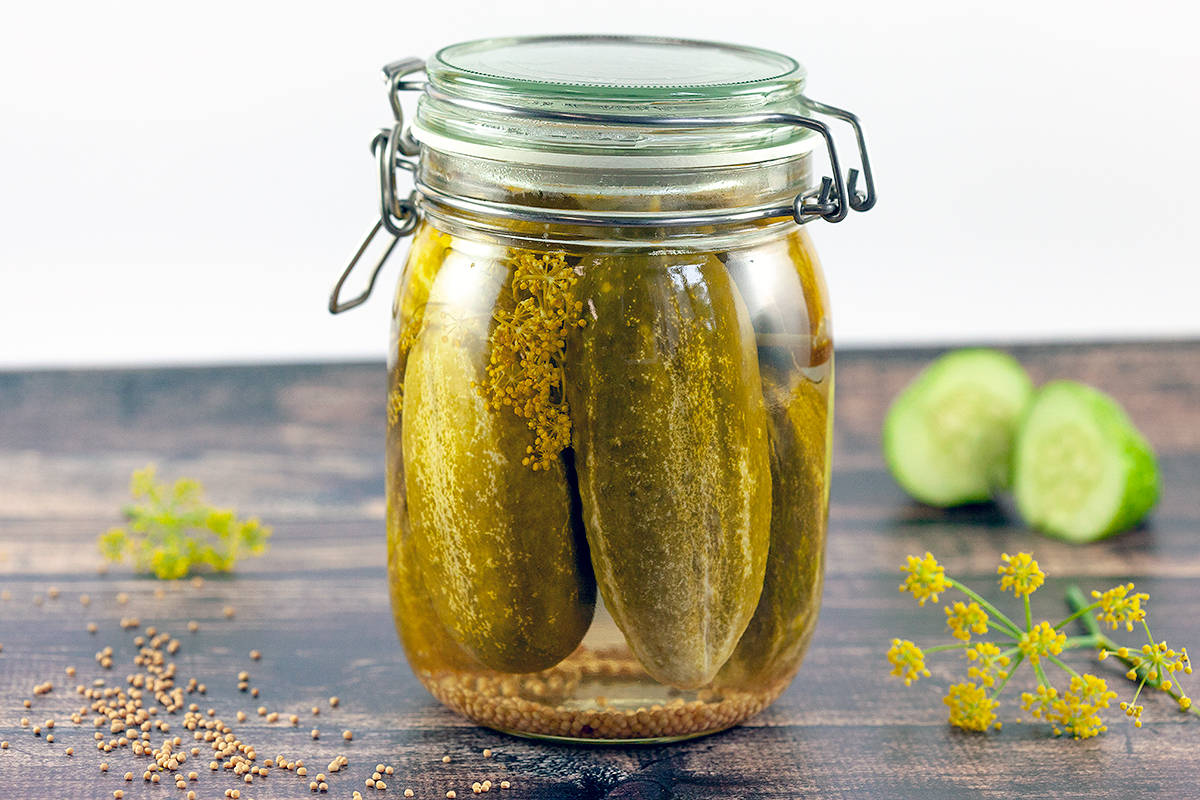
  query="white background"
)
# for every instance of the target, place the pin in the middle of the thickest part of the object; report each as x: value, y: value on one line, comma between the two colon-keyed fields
x: 183, y: 182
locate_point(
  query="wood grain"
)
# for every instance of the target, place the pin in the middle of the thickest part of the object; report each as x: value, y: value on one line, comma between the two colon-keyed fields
x: 301, y: 446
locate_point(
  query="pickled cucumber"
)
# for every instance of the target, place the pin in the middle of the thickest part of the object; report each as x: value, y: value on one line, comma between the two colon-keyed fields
x: 783, y: 623
x: 670, y: 437
x: 497, y: 545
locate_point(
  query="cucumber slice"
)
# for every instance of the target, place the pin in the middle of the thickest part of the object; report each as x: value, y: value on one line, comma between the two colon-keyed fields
x: 1082, y: 470
x: 948, y: 436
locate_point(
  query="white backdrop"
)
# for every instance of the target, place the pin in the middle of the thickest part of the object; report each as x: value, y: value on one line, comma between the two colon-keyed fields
x: 183, y: 182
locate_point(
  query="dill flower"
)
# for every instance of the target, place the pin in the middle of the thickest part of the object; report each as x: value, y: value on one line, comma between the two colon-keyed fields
x: 970, y: 707
x: 1073, y: 710
x: 1020, y: 573
x: 1040, y: 641
x: 907, y: 660
x: 926, y: 578
x: 963, y: 619
x: 988, y: 664
x: 1118, y: 605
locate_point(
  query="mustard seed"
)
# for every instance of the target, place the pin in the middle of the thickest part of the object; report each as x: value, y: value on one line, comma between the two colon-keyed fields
x: 262, y: 711
x: 3, y: 745
x: 122, y: 598
x: 347, y: 735
x: 312, y: 785
x: 389, y: 771
x: 487, y: 753
x: 445, y: 759
x: 324, y: 787
x: 128, y: 776
x: 70, y: 751
x: 316, y: 710
x: 381, y: 786
x: 50, y: 738
x: 85, y: 600
x: 505, y: 784
x: 301, y: 771
x: 376, y: 776
x: 487, y: 786
x: 316, y: 734
x: 191, y: 795
x: 450, y: 795
x: 408, y: 792
x: 118, y: 794
x: 53, y: 592
x: 255, y: 655
x: 379, y: 768
x: 193, y: 626
x: 193, y: 776
x: 228, y: 611
x: 370, y: 782
x: 91, y: 627
x: 333, y: 702
x: 476, y: 787
x: 295, y: 720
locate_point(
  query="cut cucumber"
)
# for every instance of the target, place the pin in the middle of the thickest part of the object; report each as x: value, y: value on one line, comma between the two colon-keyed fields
x: 948, y: 436
x: 1082, y: 470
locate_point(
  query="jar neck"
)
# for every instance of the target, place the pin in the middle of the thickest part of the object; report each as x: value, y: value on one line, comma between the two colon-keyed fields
x: 630, y: 196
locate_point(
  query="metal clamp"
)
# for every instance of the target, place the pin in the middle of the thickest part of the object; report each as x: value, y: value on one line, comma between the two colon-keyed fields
x: 831, y: 201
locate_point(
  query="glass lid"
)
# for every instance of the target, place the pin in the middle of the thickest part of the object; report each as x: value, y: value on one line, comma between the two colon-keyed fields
x: 612, y: 68
x: 578, y: 100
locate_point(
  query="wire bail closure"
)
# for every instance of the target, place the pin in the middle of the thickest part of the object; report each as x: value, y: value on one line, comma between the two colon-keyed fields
x: 393, y: 148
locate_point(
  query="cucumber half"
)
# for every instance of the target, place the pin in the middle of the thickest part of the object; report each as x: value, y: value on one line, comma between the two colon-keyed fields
x: 948, y: 436
x: 1082, y: 470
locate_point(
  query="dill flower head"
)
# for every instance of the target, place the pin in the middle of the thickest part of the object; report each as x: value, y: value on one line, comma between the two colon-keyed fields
x: 926, y: 578
x: 907, y: 660
x: 988, y: 664
x: 1020, y: 573
x: 1041, y: 640
x: 963, y: 619
x: 1077, y: 711
x: 1118, y: 605
x: 1040, y: 702
x: 970, y: 707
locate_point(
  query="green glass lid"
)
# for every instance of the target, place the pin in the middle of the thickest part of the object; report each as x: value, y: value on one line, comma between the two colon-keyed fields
x: 612, y: 69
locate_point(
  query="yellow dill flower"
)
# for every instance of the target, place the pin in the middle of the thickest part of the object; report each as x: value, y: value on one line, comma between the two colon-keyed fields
x: 528, y: 342
x: 963, y: 619
x: 926, y: 578
x: 987, y: 664
x: 1020, y: 573
x: 907, y: 660
x: 1118, y: 605
x: 1042, y: 640
x: 1077, y: 711
x: 1040, y: 702
x: 970, y: 707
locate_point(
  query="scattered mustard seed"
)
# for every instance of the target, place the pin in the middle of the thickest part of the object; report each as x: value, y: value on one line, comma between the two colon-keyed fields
x: 487, y: 753
x: 333, y: 702
x: 91, y: 627
x: 53, y: 592
x: 370, y: 782
x: 476, y: 787
x: 255, y: 655
x: 3, y: 745
x: 193, y: 626
x: 122, y: 598
x: 505, y: 785
x: 445, y: 759
x: 128, y: 776
x: 50, y: 738
x: 85, y: 600
x: 389, y: 771
x: 408, y: 792
x: 450, y: 795
x: 316, y: 734
x: 347, y: 735
x: 316, y: 710
x: 70, y: 751
x: 118, y: 794
x: 228, y: 611
x: 381, y: 786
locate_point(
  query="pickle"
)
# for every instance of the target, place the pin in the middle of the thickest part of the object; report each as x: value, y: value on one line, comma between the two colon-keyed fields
x: 670, y: 435
x: 496, y: 542
x: 428, y: 645
x: 779, y: 632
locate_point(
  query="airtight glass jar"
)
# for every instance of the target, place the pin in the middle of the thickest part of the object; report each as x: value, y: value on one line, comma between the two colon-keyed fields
x: 611, y: 378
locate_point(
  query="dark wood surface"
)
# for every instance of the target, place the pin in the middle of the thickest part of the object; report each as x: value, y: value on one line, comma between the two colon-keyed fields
x: 301, y: 446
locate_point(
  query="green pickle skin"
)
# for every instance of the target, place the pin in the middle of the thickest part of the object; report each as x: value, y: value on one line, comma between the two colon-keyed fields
x: 779, y: 632
x: 496, y: 543
x: 670, y: 436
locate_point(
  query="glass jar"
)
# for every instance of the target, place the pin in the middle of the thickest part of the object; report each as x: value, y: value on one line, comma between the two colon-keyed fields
x: 611, y: 375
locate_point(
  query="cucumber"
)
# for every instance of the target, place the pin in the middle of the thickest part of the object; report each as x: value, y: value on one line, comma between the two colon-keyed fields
x: 948, y: 436
x: 1082, y: 470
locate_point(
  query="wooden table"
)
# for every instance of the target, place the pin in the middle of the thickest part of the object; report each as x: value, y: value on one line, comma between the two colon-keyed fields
x: 301, y: 446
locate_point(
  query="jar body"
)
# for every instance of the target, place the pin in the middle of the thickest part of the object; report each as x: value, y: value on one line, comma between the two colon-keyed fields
x: 608, y: 467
